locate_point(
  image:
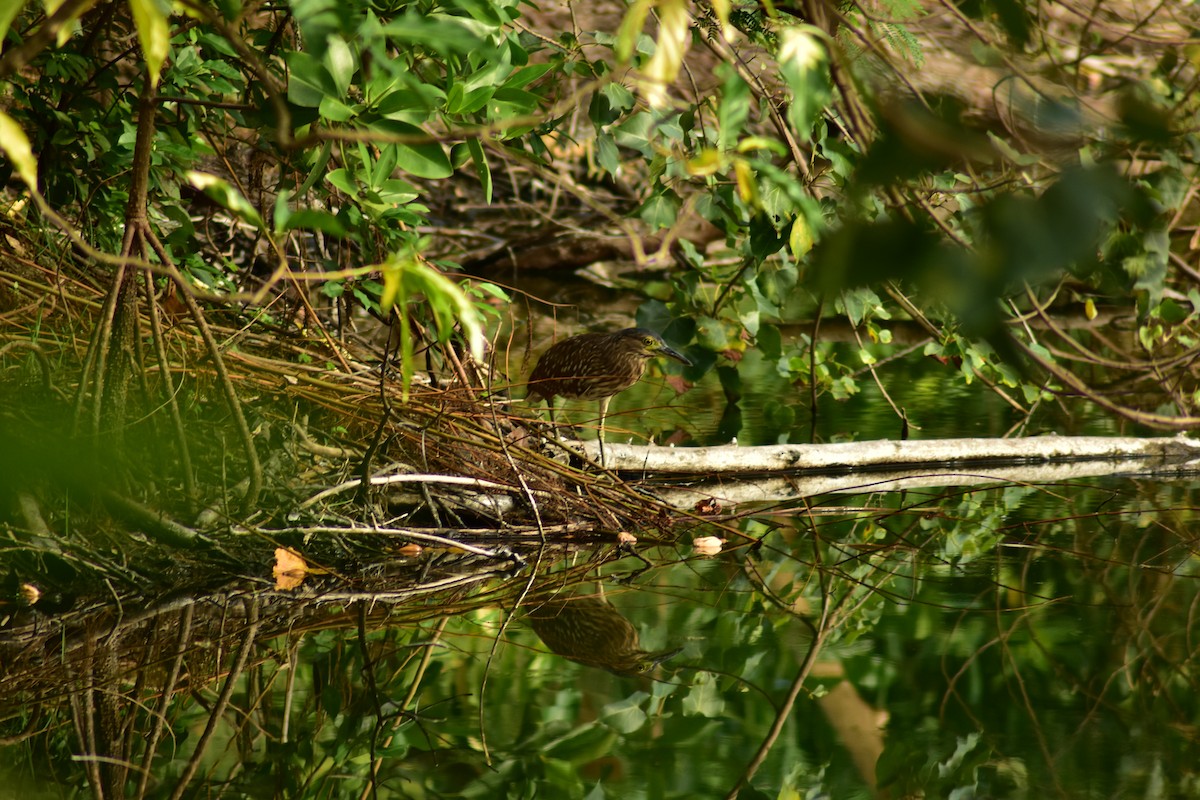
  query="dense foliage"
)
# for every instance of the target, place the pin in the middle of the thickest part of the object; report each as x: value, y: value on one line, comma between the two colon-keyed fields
x: 841, y: 168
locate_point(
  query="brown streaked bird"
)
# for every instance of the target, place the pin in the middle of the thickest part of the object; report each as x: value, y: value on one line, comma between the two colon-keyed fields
x: 589, y: 631
x: 596, y: 366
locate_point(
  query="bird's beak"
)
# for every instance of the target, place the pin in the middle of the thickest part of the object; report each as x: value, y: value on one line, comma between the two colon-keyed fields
x: 675, y: 354
x: 658, y: 658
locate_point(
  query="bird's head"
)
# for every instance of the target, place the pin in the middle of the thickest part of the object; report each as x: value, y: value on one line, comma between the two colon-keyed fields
x: 645, y: 343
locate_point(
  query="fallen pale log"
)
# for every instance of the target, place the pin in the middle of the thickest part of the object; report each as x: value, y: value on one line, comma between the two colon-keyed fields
x: 890, y: 455
x: 733, y: 490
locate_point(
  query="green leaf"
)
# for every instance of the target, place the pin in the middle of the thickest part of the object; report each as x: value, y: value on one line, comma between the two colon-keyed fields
x: 711, y: 334
x: 734, y: 107
x: 512, y: 103
x: 385, y: 165
x: 1172, y: 312
x: 475, y: 147
x: 308, y: 81
x: 527, y: 75
x: 341, y: 179
x: 661, y: 209
x: 461, y: 101
x: 335, y: 110
x: 445, y: 35
x: 311, y: 219
x: 283, y: 210
x: 490, y: 13
x: 397, y: 192
x: 424, y: 159
x: 607, y: 154
x: 404, y: 103
x: 317, y: 20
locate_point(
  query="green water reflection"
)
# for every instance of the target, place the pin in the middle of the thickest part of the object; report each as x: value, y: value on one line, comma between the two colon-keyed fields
x: 1002, y: 642
x: 770, y: 410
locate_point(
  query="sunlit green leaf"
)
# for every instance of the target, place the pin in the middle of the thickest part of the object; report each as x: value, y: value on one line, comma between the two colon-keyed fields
x: 8, y: 11
x: 226, y: 195
x: 625, y: 716
x: 16, y: 147
x: 803, y: 62
x: 703, y: 699
x: 631, y: 28
x: 405, y: 274
x: 153, y: 33
x: 341, y: 64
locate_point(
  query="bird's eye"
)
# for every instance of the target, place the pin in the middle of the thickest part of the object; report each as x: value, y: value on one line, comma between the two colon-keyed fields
x: 648, y: 341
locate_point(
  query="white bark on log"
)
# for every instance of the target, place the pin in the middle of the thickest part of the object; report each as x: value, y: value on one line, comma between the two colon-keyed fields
x: 739, y: 490
x: 890, y: 455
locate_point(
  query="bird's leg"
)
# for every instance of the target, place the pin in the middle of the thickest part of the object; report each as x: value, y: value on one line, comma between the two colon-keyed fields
x: 553, y: 423
x: 600, y: 437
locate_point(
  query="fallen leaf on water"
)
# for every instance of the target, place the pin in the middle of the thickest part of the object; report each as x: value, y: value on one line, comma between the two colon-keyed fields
x: 290, y: 569
x: 707, y: 545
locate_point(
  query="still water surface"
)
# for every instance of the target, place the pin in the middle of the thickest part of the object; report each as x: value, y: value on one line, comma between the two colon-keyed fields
x: 996, y: 641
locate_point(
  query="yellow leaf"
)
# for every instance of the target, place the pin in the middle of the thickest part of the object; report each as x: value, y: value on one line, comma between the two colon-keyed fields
x: 392, y: 273
x: 747, y: 186
x: 801, y: 239
x: 721, y: 9
x: 30, y: 593
x: 674, y: 36
x: 706, y: 163
x: 800, y: 44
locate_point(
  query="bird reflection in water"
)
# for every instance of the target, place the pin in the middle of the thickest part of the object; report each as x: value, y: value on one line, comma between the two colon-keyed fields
x: 590, y: 631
